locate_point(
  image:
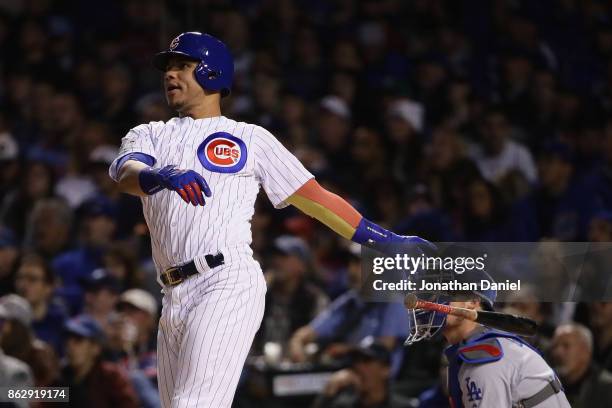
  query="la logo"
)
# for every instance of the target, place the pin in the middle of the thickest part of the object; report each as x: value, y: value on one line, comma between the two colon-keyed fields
x: 473, y: 392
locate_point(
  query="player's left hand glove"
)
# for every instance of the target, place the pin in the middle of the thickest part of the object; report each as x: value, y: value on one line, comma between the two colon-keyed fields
x: 413, y: 240
x: 190, y: 185
x: 409, y: 244
x: 372, y: 235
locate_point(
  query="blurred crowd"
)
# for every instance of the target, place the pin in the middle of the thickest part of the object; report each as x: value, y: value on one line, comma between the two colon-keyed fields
x: 487, y: 120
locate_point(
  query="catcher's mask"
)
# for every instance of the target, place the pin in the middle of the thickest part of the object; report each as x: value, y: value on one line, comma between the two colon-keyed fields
x: 422, y: 323
x: 425, y: 324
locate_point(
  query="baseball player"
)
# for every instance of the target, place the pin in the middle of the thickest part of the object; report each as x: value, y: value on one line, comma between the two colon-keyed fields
x: 198, y: 175
x: 488, y: 368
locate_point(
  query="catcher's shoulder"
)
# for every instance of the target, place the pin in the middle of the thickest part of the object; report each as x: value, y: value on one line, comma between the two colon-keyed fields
x: 493, y: 349
x: 481, y: 351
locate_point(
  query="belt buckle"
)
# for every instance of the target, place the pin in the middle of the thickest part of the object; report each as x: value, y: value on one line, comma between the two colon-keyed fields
x: 170, y: 278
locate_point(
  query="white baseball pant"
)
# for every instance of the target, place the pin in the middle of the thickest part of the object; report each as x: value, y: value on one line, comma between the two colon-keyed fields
x: 206, y: 329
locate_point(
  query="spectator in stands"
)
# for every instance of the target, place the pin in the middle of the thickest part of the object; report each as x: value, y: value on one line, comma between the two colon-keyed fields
x: 485, y: 217
x: 516, y: 71
x: 600, y: 227
x: 292, y: 301
x: 595, y: 278
x: 437, y: 395
x: 586, y: 383
x: 138, y: 309
x: 333, y: 131
x: 348, y: 320
x: 78, y: 185
x: 9, y: 254
x: 128, y: 209
x: 304, y: 73
x: 93, y: 382
x: 430, y: 79
x: 368, y: 153
x: 35, y: 281
x: 14, y: 373
x: 601, y: 323
x: 405, y: 122
x: 121, y: 263
x: 64, y: 135
x: 601, y: 179
x: 131, y: 343
x: 365, y: 383
x: 132, y: 338
x: 558, y: 208
x: 525, y: 302
x: 49, y: 228
x: 501, y: 154
x: 449, y: 169
x: 98, y: 227
x: 9, y: 165
x: 18, y: 341
x: 117, y: 93
x: 101, y: 296
x: 424, y: 217
x: 38, y: 183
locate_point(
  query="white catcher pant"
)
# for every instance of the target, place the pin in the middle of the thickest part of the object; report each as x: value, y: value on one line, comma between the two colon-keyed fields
x: 205, y: 333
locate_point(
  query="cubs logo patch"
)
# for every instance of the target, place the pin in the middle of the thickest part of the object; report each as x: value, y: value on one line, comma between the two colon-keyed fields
x: 222, y: 152
x: 174, y: 44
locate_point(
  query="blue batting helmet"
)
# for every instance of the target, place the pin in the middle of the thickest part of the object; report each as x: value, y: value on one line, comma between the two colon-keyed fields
x: 215, y: 69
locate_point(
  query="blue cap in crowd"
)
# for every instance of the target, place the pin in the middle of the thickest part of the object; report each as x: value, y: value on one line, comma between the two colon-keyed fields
x: 99, y: 206
x: 85, y: 326
x: 101, y: 279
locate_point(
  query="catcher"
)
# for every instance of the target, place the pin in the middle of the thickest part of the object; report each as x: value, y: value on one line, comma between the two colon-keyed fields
x: 487, y: 368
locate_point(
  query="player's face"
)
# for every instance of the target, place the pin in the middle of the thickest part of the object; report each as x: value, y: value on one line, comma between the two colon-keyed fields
x: 454, y: 321
x: 182, y: 90
x: 30, y: 283
x: 456, y: 328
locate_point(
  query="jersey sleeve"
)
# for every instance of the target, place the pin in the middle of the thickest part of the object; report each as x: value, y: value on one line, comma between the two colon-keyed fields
x: 137, y: 140
x: 325, y: 325
x: 395, y: 322
x: 280, y: 173
x: 487, y: 385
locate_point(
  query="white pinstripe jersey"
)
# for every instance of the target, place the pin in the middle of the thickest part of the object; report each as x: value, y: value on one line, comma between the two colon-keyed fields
x: 235, y: 158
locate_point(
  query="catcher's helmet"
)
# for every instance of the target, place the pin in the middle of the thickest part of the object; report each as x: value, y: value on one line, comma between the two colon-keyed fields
x: 425, y: 324
x: 215, y: 69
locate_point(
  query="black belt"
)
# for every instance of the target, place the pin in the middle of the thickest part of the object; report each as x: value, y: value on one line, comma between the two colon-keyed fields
x: 177, y: 274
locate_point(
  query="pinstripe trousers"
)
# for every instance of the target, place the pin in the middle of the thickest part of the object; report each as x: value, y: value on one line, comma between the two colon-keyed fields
x: 206, y: 329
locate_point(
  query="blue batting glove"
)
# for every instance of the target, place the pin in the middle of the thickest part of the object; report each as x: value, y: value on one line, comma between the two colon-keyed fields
x: 409, y: 244
x: 370, y: 234
x: 187, y: 183
x: 414, y: 240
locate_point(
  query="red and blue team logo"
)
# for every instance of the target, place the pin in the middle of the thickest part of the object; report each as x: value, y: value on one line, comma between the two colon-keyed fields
x: 222, y: 152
